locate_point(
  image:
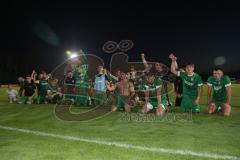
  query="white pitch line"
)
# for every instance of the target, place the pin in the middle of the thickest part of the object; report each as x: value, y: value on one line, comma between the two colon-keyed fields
x: 123, y: 145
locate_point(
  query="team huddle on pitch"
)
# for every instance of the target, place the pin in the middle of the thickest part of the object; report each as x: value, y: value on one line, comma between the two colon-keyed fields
x: 147, y: 89
x: 156, y: 93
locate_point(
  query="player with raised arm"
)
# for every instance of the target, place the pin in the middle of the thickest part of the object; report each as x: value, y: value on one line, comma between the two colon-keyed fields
x: 162, y: 73
x: 192, y: 86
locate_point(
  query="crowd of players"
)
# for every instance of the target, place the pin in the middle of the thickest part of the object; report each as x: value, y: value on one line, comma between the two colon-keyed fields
x: 35, y: 88
x: 147, y: 89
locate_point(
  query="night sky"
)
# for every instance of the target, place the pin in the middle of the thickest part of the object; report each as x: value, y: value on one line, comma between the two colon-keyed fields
x: 36, y: 35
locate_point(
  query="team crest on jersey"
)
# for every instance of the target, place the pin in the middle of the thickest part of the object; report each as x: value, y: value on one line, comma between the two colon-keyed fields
x: 216, y: 88
x: 188, y: 83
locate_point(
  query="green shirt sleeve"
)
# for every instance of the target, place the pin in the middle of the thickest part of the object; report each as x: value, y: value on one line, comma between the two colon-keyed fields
x: 158, y: 83
x: 199, y: 81
x: 227, y: 81
x: 210, y: 81
x: 182, y: 74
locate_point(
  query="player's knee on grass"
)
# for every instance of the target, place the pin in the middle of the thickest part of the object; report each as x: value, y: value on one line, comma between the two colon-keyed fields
x: 211, y: 108
x: 127, y: 107
x: 196, y: 108
x: 23, y: 100
x: 185, y: 105
x: 145, y: 109
x: 188, y: 105
x: 114, y: 108
x: 160, y: 110
x: 29, y: 102
x: 226, y: 109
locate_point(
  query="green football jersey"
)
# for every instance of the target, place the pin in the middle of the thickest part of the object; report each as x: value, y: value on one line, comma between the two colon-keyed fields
x: 80, y: 71
x: 54, y: 88
x: 81, y: 77
x: 190, y: 84
x: 219, y: 87
x: 153, y: 86
x: 43, y: 86
x: 138, y: 83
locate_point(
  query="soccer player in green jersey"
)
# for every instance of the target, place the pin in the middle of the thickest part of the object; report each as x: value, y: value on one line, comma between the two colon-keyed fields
x: 192, y: 86
x: 80, y: 73
x: 155, y: 96
x: 43, y: 87
x: 220, y: 85
x: 162, y: 72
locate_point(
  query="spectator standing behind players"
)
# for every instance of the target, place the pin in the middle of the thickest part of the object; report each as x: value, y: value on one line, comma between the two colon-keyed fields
x: 11, y: 94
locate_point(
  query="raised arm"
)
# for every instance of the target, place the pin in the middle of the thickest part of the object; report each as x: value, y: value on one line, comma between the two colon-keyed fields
x: 144, y: 60
x: 174, y: 64
x: 32, y: 75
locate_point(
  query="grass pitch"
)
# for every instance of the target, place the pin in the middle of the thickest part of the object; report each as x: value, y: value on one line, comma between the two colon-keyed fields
x: 212, y: 134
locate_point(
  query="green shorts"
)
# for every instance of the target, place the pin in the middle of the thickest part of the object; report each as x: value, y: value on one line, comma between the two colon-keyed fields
x: 40, y: 98
x: 188, y: 103
x: 81, y: 100
x: 154, y: 102
x: 121, y: 101
x: 219, y: 103
x: 24, y: 100
x: 81, y: 97
x: 100, y: 99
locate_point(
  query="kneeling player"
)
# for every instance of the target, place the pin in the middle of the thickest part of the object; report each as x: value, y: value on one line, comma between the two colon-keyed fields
x: 153, y: 86
x: 192, y: 86
x: 124, y: 94
x: 221, y: 86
